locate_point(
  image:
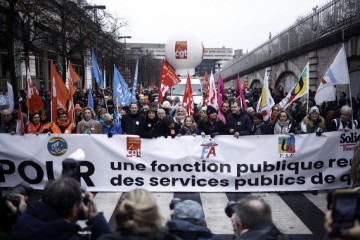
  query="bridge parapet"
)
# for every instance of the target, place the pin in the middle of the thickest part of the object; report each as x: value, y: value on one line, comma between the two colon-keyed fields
x: 307, y: 34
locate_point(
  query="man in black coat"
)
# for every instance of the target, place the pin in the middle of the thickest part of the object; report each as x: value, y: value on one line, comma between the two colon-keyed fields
x: 238, y: 122
x: 132, y: 122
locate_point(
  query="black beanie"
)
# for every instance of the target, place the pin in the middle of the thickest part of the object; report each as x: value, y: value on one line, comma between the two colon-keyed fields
x: 210, y: 109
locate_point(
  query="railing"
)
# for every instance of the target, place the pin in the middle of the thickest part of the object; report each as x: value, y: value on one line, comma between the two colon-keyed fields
x: 332, y: 17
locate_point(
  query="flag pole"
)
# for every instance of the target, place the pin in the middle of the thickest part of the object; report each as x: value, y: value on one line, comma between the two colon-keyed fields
x: 352, y: 116
x: 27, y: 87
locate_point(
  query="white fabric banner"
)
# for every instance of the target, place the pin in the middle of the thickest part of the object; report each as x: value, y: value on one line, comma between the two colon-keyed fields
x: 186, y: 164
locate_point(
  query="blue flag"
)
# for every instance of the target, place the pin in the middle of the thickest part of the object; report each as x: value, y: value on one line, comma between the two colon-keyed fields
x: 133, y: 94
x: 121, y: 92
x: 90, y: 102
x: 95, y: 71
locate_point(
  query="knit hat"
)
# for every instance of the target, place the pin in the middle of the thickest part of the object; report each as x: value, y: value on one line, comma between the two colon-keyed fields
x: 77, y: 107
x: 314, y: 109
x: 210, y: 109
x: 60, y: 112
x: 166, y: 104
x: 152, y: 108
x: 189, y: 210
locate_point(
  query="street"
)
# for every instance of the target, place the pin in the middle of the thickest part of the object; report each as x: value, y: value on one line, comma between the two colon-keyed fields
x: 296, y: 213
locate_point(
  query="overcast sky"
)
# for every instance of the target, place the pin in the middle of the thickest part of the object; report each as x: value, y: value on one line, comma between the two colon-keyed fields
x: 237, y: 24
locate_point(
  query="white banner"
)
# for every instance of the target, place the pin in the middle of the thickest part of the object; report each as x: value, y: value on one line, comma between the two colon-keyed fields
x: 186, y: 164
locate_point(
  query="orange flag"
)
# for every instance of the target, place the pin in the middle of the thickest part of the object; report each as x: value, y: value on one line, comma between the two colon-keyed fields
x: 33, y: 99
x: 59, y: 93
x: 168, y: 78
x: 73, y: 78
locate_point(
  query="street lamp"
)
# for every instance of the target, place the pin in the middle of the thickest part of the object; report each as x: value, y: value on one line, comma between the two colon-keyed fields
x: 124, y: 37
x: 95, y: 8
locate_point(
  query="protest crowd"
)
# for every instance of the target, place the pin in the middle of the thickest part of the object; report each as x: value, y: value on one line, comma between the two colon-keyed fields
x: 137, y: 215
x: 153, y: 113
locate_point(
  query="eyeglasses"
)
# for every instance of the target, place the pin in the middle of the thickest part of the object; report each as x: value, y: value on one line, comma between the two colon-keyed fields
x: 6, y: 115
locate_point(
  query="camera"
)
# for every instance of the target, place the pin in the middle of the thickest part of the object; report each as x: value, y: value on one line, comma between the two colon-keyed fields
x: 22, y: 188
x: 230, y: 208
x: 173, y: 202
x: 71, y: 168
x: 345, y: 206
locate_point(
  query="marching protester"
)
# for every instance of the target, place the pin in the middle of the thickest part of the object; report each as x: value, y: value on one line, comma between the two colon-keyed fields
x: 238, y: 122
x: 78, y: 114
x: 62, y: 123
x: 7, y: 123
x: 160, y: 113
x: 211, y: 124
x: 260, y: 126
x: 109, y: 126
x: 225, y: 108
x: 88, y: 125
x: 34, y: 126
x: 345, y: 121
x: 283, y: 123
x: 45, y: 121
x: 313, y: 123
x: 132, y: 122
x: 167, y: 127
x: 149, y: 126
x: 180, y: 114
x: 189, y: 127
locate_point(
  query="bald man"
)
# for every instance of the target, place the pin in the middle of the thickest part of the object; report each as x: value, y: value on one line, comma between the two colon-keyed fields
x: 252, y: 220
x: 7, y: 123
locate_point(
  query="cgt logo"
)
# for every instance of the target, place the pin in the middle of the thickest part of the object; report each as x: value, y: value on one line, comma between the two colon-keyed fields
x: 208, y: 147
x: 133, y: 147
x: 181, y: 50
x: 286, y: 144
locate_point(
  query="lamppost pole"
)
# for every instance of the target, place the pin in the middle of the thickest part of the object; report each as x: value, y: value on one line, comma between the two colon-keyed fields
x: 125, y: 37
x: 95, y: 8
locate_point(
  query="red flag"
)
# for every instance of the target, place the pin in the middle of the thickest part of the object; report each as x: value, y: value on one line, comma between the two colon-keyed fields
x: 188, y: 99
x: 240, y: 93
x: 73, y: 78
x: 168, y: 78
x: 206, y: 85
x: 20, y: 127
x: 33, y: 99
x: 244, y: 85
x: 59, y: 92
